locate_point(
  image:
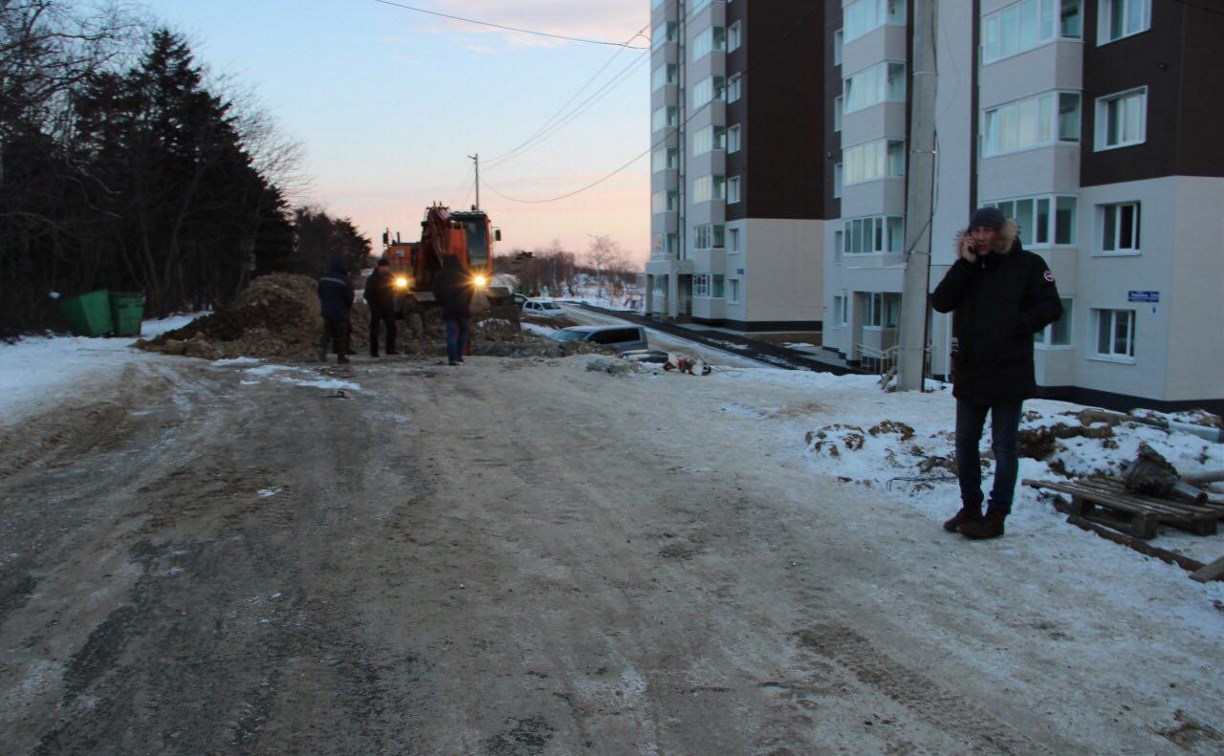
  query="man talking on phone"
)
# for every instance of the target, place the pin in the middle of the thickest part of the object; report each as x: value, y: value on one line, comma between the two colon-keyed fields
x: 1000, y: 295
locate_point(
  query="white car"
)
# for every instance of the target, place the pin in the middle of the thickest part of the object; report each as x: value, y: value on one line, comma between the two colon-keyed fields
x: 544, y: 308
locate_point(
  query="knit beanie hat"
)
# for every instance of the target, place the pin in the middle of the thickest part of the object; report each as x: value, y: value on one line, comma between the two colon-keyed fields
x: 990, y: 217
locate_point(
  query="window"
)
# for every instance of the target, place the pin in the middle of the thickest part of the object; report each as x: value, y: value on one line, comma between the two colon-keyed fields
x: 733, y: 240
x: 1038, y: 227
x: 1115, y: 333
x: 664, y: 202
x: 734, y: 88
x: 883, y: 309
x: 664, y: 159
x: 733, y: 298
x: 706, y: 188
x: 664, y: 118
x: 708, y: 236
x: 1059, y: 332
x: 873, y: 160
x: 863, y: 16
x: 701, y: 285
x: 837, y: 179
x: 713, y: 38
x: 881, y: 233
x: 1029, y: 123
x: 734, y: 35
x: 733, y: 189
x: 1121, y: 119
x: 733, y: 138
x: 707, y: 90
x: 839, y: 108
x: 662, y: 34
x: 839, y: 304
x: 1122, y: 18
x: 717, y: 290
x: 837, y: 246
x: 665, y: 74
x: 1120, y: 228
x: 839, y: 40
x: 1028, y: 24
x: 873, y: 85
x: 708, y: 138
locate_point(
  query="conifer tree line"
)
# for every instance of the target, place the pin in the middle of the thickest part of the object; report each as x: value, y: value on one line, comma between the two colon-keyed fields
x: 121, y: 170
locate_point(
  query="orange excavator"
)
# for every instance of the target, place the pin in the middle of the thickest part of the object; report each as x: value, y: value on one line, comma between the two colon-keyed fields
x: 466, y: 234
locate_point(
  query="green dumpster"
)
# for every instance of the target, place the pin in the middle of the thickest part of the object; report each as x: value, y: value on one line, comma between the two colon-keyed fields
x: 127, y: 312
x: 89, y: 314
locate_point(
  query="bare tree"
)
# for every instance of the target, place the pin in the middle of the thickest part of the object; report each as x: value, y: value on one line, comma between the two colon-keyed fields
x: 605, y: 255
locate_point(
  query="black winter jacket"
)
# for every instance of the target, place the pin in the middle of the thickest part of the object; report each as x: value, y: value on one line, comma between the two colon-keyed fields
x: 453, y: 289
x: 380, y: 291
x: 1000, y: 301
x: 336, y: 291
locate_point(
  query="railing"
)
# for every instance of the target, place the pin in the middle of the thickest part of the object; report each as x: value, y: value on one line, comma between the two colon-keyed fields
x: 883, y: 362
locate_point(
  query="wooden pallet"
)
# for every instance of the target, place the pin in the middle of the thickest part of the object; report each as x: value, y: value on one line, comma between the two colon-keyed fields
x: 1106, y: 501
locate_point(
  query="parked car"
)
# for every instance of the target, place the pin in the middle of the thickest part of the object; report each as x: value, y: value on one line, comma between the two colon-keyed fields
x: 544, y: 308
x: 623, y: 338
x: 520, y: 300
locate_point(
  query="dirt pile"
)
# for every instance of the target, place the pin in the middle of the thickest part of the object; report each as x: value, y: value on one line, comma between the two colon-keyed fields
x: 278, y: 316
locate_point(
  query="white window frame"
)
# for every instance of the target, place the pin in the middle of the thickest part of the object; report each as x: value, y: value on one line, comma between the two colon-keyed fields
x: 733, y: 241
x: 872, y: 161
x: 1133, y: 103
x: 733, y: 190
x: 873, y: 235
x: 1106, y: 325
x: 1031, y: 123
x: 1033, y: 234
x: 839, y: 110
x: 735, y: 34
x: 734, y: 138
x: 1025, y: 25
x: 837, y: 179
x: 735, y: 87
x: 708, y: 90
x: 1112, y: 222
x: 709, y: 40
x: 1137, y: 18
x: 875, y: 84
x: 883, y: 310
x: 733, y: 297
x: 839, y: 43
x: 862, y: 17
x: 1044, y: 339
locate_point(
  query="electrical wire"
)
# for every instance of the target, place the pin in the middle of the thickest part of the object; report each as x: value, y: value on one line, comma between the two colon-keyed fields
x: 510, y: 28
x: 766, y: 54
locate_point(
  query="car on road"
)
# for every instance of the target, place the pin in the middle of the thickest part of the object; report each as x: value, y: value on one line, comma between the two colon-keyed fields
x: 544, y: 308
x: 622, y: 338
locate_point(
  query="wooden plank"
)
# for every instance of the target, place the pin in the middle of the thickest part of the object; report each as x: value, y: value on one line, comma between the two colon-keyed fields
x: 1169, y: 557
x: 1107, y: 502
x: 1213, y: 571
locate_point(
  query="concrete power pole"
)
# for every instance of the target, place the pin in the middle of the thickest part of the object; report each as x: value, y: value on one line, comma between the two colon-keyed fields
x: 911, y: 358
x: 476, y: 158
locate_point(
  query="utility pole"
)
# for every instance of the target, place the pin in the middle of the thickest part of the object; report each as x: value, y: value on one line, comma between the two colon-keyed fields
x: 911, y: 358
x: 476, y: 158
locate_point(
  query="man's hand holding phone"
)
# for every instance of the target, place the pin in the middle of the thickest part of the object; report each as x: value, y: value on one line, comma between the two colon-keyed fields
x: 967, y: 248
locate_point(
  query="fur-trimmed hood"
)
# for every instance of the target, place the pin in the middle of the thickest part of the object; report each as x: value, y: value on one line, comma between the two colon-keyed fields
x: 1006, y: 239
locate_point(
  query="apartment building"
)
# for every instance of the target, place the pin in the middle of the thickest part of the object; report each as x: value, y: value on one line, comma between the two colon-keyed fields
x: 1089, y: 121
x: 732, y: 246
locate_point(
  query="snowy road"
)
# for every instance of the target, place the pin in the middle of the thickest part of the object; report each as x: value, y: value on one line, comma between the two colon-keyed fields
x: 526, y: 556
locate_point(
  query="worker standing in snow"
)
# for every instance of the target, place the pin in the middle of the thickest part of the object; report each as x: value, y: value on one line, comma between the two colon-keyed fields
x: 453, y: 289
x: 380, y: 295
x: 1000, y: 295
x: 336, y: 293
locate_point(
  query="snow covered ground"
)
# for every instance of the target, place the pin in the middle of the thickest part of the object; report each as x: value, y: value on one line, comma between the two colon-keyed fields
x: 858, y: 448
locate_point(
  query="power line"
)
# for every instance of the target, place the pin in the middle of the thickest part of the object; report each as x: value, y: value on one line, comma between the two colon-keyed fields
x: 512, y: 28
x: 765, y: 55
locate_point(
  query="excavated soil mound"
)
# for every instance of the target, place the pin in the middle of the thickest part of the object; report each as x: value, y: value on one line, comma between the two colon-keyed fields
x: 278, y: 316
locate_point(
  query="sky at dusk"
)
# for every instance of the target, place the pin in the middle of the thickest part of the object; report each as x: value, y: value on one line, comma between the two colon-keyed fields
x: 389, y: 103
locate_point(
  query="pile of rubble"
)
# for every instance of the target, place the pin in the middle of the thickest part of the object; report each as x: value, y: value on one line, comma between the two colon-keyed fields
x: 278, y: 316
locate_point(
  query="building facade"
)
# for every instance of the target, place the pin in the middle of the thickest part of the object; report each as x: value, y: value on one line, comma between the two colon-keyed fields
x: 1089, y: 121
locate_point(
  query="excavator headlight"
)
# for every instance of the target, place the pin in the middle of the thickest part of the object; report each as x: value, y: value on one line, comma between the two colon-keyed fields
x: 401, y: 282
x: 480, y: 281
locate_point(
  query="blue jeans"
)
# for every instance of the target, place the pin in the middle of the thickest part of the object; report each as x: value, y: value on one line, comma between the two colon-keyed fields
x: 1004, y: 433
x: 457, y: 333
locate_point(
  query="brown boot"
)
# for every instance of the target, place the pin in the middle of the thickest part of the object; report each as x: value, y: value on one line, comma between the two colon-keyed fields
x: 990, y: 526
x: 967, y: 513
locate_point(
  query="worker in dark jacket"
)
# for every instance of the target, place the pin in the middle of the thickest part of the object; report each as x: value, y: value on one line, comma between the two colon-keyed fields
x: 1000, y: 295
x: 453, y: 288
x: 380, y: 295
x: 336, y: 293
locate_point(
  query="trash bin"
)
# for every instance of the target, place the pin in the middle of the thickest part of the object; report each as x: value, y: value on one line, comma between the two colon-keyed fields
x: 89, y: 314
x: 127, y: 312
